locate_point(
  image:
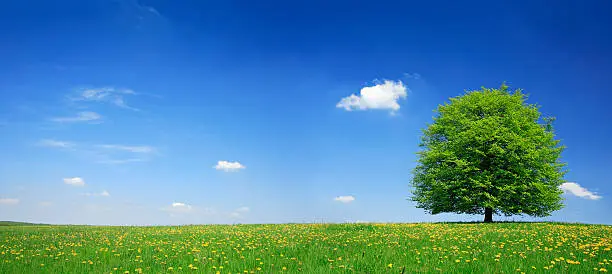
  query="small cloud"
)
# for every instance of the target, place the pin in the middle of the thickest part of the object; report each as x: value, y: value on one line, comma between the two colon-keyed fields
x: 76, y: 181
x: 105, y: 95
x: 104, y: 193
x: 178, y: 207
x: 380, y: 96
x: 85, y: 116
x: 8, y: 201
x: 55, y: 143
x: 579, y: 191
x: 134, y: 149
x: 344, y: 199
x: 229, y: 166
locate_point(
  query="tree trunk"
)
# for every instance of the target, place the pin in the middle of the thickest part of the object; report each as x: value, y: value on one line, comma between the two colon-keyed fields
x: 488, y: 215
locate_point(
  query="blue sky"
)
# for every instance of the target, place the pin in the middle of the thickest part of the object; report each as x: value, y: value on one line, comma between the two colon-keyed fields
x: 153, y: 112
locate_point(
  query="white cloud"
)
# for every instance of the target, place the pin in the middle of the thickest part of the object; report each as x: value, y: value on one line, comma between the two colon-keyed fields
x: 8, y: 201
x: 229, y: 166
x: 178, y: 207
x: 380, y: 96
x: 107, y: 95
x: 344, y: 199
x: 134, y: 149
x: 76, y: 181
x: 579, y: 191
x: 181, y: 206
x: 85, y: 116
x: 55, y: 143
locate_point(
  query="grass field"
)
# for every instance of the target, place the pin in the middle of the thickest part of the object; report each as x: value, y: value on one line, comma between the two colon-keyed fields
x: 313, y: 248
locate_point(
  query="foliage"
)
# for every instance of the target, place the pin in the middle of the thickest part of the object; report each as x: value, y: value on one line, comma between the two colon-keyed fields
x: 488, y: 149
x: 9, y: 223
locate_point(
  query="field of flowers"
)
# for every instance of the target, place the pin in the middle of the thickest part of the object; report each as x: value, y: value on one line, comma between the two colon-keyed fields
x: 309, y: 248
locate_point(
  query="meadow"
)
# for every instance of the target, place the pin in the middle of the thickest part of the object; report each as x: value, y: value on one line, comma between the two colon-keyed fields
x: 309, y: 248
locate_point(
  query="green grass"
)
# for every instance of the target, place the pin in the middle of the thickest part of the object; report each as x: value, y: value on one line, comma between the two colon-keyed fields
x: 314, y: 248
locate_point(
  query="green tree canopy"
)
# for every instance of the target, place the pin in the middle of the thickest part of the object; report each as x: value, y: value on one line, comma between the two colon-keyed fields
x: 489, y: 152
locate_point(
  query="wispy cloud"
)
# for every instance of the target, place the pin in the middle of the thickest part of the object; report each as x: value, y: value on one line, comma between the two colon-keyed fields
x: 579, y: 191
x: 384, y: 96
x: 55, y: 143
x: 109, y: 95
x: 151, y: 10
x: 9, y: 201
x: 134, y: 149
x: 85, y: 116
x: 101, y: 194
x: 344, y: 199
x: 105, y: 153
x: 129, y: 154
x: 229, y: 166
x: 240, y: 212
x: 75, y: 181
x: 414, y: 76
x: 243, y: 209
x: 122, y: 161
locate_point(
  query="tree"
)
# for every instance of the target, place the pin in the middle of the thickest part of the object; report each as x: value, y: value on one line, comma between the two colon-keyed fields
x: 490, y: 152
